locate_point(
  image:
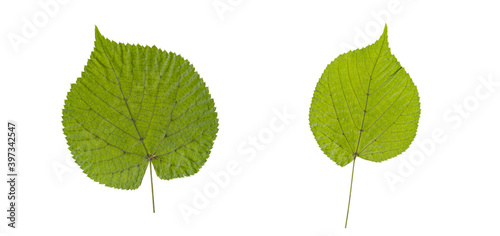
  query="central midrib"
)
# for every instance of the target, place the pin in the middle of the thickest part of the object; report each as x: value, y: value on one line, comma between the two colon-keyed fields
x: 355, y: 154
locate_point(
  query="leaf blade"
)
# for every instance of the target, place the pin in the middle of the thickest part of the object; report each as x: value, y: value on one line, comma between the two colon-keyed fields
x: 363, y: 100
x: 120, y: 111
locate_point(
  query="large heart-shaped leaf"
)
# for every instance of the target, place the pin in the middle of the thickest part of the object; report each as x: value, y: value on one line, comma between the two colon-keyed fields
x: 134, y: 106
x: 365, y: 105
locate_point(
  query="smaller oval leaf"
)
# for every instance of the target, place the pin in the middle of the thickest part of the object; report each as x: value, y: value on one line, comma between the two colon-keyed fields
x: 365, y: 105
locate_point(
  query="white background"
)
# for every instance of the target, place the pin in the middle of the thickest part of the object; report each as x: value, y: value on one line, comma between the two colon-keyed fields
x: 257, y: 57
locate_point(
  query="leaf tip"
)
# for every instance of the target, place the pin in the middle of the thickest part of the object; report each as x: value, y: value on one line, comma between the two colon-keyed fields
x: 98, y: 34
x: 384, y: 34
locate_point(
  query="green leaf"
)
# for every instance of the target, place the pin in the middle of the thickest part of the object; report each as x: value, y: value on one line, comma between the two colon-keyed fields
x: 136, y: 105
x: 365, y: 105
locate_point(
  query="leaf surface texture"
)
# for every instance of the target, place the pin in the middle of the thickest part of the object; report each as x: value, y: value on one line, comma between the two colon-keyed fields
x: 365, y: 105
x: 138, y: 104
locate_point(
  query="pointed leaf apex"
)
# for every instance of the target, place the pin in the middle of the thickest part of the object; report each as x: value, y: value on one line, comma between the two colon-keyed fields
x: 384, y: 34
x: 98, y: 34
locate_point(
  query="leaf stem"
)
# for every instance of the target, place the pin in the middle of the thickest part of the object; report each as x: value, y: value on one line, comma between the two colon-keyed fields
x: 350, y: 191
x: 152, y: 191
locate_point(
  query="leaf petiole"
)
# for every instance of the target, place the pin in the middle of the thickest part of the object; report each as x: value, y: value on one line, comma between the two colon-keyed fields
x: 152, y: 191
x: 349, y: 203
